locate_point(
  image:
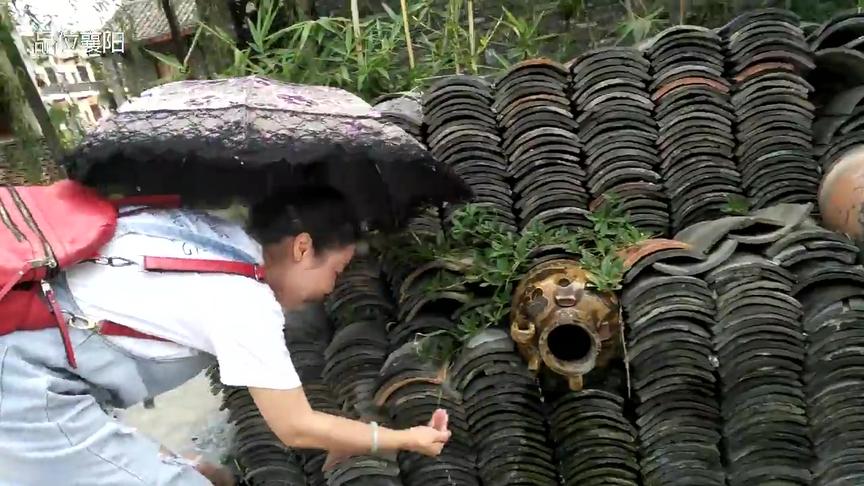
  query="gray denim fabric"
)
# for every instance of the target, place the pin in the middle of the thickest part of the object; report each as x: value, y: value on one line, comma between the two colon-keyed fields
x: 53, y: 426
x: 54, y: 430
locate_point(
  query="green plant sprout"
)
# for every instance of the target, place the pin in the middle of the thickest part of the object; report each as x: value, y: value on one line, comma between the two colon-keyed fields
x: 737, y: 206
x: 641, y: 22
x: 497, y: 259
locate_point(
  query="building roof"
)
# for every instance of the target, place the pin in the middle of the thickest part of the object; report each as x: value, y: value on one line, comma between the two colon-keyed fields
x: 145, y: 21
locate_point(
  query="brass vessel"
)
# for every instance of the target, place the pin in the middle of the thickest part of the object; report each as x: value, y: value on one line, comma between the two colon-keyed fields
x: 559, y: 321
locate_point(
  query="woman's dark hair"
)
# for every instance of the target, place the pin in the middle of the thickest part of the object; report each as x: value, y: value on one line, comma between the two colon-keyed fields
x: 320, y: 211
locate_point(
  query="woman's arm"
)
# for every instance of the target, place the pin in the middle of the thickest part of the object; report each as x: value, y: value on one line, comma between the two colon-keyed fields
x: 295, y: 423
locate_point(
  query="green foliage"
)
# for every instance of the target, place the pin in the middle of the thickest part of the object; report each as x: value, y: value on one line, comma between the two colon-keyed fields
x: 494, y: 259
x: 24, y: 156
x: 445, y: 46
x: 324, y: 51
x: 641, y: 22
x: 737, y: 206
x: 821, y: 10
x: 598, y: 246
x: 571, y: 9
x: 181, y: 68
x: 65, y: 121
x: 436, y: 347
x: 526, y: 39
x: 446, y: 38
x: 168, y: 59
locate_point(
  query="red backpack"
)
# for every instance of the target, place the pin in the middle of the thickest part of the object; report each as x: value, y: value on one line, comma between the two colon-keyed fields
x: 45, y: 229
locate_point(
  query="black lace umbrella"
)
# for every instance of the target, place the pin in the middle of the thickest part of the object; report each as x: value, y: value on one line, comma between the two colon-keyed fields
x: 246, y: 138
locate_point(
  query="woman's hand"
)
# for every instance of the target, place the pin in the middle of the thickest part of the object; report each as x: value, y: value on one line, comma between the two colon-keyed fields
x: 430, y: 439
x: 218, y: 475
x: 427, y: 440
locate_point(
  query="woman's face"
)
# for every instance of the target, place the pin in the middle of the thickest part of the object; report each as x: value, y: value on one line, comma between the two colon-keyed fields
x: 299, y: 275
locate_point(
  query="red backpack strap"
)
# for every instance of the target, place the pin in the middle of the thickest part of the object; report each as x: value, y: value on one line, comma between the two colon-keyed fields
x: 60, y: 319
x: 108, y: 328
x: 168, y: 264
x: 167, y: 201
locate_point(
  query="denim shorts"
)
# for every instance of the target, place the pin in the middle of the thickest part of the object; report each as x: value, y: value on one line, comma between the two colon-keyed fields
x: 54, y: 428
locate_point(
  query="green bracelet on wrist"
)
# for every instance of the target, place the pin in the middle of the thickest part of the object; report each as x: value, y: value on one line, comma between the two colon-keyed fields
x: 374, y: 437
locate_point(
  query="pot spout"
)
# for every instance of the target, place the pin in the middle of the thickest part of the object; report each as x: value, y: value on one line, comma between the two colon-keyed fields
x: 561, y: 323
x: 570, y: 349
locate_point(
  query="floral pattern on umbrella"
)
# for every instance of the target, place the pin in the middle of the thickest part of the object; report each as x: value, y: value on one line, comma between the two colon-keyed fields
x: 217, y: 140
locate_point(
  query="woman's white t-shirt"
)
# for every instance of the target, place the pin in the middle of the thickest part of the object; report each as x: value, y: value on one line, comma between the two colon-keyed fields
x: 235, y: 318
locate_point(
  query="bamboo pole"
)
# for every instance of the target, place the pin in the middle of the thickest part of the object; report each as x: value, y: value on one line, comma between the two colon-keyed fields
x: 407, y: 26
x: 355, y: 22
x: 472, y: 44
x: 174, y: 29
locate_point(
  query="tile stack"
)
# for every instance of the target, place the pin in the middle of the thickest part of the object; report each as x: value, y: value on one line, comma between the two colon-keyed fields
x: 838, y: 52
x: 595, y: 443
x: 505, y: 412
x: 361, y: 293
x: 695, y: 119
x: 609, y: 95
x: 404, y: 111
x: 430, y: 299
x: 360, y: 307
x: 461, y: 131
x: 428, y: 222
x: 307, y: 333
x: 541, y: 146
x: 839, y: 126
x: 845, y: 30
x: 363, y: 471
x: 760, y: 347
x: 768, y: 58
x: 830, y: 287
x: 411, y: 387
x: 670, y: 319
x: 838, y: 86
x: 263, y: 457
x: 354, y: 358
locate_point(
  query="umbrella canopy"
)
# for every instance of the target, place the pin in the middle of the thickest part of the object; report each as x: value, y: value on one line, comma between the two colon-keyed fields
x: 217, y: 141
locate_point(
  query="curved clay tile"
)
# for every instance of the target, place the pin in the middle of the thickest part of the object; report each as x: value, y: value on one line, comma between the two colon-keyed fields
x: 632, y: 254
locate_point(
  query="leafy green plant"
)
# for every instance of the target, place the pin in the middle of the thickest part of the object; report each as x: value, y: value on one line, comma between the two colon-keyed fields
x: 821, y: 10
x: 65, y: 120
x: 23, y: 155
x: 640, y: 22
x: 525, y: 39
x: 324, y: 51
x: 383, y: 53
x: 447, y: 47
x: 737, y: 206
x: 436, y: 347
x: 495, y: 259
x: 181, y: 68
x: 571, y: 9
x: 598, y: 246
